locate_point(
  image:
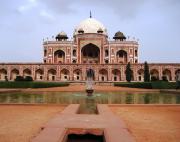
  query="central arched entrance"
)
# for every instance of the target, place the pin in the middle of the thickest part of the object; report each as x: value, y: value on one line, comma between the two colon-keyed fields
x: 90, y: 54
x: 59, y: 56
x: 121, y: 57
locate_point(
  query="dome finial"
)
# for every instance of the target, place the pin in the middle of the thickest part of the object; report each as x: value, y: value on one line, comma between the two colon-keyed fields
x: 90, y: 14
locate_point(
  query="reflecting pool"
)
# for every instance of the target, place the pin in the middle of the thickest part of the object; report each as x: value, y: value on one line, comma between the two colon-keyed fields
x: 82, y: 98
x: 88, y: 103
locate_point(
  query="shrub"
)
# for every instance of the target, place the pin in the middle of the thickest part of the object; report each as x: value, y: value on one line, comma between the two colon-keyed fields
x: 146, y: 85
x: 19, y: 78
x: 154, y: 78
x: 163, y: 85
x: 164, y: 78
x: 27, y: 84
x: 28, y: 78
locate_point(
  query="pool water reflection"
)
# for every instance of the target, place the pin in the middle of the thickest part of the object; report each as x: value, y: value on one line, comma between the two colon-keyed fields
x: 82, y: 98
x: 88, y: 103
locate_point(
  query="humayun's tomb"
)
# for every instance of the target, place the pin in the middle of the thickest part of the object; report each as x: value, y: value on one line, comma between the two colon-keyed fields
x: 89, y: 50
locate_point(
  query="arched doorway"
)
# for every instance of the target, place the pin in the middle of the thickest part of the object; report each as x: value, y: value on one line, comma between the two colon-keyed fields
x: 121, y: 57
x: 39, y: 74
x: 167, y: 74
x: 77, y: 75
x: 51, y: 75
x: 26, y: 72
x: 90, y: 54
x: 116, y: 75
x: 14, y: 74
x: 140, y: 76
x: 154, y: 74
x: 103, y: 75
x: 3, y: 74
x: 177, y: 75
x: 59, y: 56
x: 64, y: 74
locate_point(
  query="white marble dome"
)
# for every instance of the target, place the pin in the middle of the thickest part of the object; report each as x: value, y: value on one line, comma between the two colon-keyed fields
x: 90, y: 25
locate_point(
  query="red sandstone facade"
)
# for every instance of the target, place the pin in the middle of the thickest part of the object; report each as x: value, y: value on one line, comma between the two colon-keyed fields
x: 90, y: 48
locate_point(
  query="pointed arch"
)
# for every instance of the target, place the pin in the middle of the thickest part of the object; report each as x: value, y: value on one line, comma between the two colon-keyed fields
x: 26, y: 72
x: 116, y: 75
x: 103, y: 75
x: 140, y: 76
x: 14, y: 74
x: 51, y: 76
x: 77, y: 75
x: 3, y: 74
x: 167, y: 74
x: 39, y: 74
x: 121, y: 57
x: 90, y: 53
x: 65, y: 75
x: 59, y: 56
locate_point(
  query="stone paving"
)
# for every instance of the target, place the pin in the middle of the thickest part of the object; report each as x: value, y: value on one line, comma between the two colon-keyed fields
x: 69, y: 122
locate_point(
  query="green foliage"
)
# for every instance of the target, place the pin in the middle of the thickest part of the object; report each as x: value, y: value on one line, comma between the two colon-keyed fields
x: 148, y: 85
x: 146, y: 72
x: 19, y: 78
x: 163, y: 85
x: 28, y: 84
x: 128, y: 72
x: 154, y: 78
x: 164, y: 78
x: 28, y: 78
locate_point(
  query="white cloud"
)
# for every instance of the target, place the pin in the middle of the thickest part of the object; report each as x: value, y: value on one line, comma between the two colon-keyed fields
x: 46, y: 15
x: 30, y: 5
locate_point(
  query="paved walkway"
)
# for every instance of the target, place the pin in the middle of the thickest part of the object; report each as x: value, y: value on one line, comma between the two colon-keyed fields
x: 69, y: 122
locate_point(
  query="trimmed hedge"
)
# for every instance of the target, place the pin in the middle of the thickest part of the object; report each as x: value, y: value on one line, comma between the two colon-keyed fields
x: 148, y: 85
x: 164, y: 85
x: 24, y: 84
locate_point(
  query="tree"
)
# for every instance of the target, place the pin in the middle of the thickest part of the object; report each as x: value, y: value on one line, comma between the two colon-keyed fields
x: 128, y: 72
x: 146, y: 72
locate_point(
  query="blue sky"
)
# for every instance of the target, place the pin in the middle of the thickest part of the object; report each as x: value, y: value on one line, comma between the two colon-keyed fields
x: 24, y: 24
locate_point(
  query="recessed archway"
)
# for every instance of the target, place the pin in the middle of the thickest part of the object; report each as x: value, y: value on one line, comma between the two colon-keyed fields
x: 121, y: 57
x: 51, y: 75
x: 65, y: 75
x: 167, y: 74
x: 39, y: 74
x: 90, y: 53
x: 116, y: 75
x: 59, y: 56
x: 140, y: 76
x: 14, y: 74
x: 77, y: 75
x: 154, y: 73
x: 3, y: 74
x: 103, y: 75
x: 26, y: 72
